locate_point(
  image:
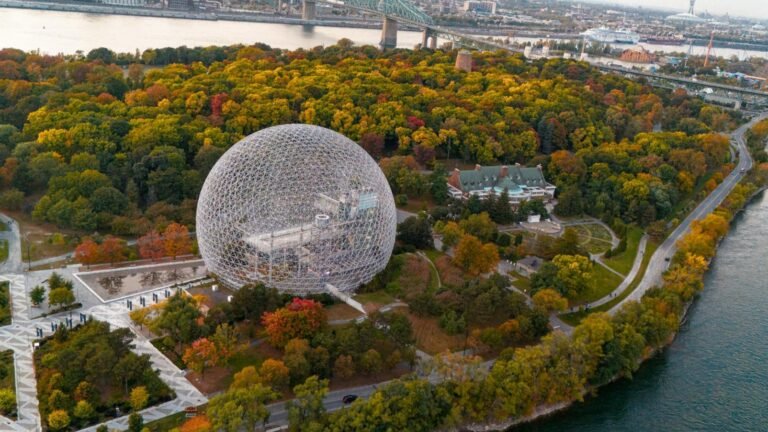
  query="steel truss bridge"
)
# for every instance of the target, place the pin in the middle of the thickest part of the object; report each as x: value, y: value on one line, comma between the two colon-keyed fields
x: 404, y: 12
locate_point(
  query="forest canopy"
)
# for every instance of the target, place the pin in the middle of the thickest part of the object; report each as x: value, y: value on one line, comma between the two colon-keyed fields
x: 88, y: 144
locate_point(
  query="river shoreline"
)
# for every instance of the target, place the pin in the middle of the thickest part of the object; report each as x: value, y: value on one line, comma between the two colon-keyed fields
x: 544, y: 411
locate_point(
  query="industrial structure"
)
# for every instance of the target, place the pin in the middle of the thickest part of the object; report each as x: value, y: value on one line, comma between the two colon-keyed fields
x: 299, y: 208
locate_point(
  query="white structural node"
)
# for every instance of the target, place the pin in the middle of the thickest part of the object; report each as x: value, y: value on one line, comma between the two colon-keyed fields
x: 299, y: 208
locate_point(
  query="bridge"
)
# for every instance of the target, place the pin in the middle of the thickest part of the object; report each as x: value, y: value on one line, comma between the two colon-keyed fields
x: 723, y: 94
x: 402, y: 12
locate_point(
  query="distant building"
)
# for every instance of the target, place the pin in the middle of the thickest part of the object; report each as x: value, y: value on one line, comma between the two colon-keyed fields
x: 686, y: 18
x: 180, y: 4
x: 637, y: 55
x: 132, y: 3
x: 528, y: 265
x: 480, y: 7
x: 521, y: 183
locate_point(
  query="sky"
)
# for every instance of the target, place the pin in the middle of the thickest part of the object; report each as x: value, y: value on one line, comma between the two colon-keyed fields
x: 745, y: 8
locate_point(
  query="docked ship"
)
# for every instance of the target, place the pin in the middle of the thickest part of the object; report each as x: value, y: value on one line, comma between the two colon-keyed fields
x: 665, y: 40
x: 607, y: 35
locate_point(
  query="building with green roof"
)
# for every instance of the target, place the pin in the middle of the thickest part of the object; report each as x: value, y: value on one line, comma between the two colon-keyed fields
x: 521, y: 183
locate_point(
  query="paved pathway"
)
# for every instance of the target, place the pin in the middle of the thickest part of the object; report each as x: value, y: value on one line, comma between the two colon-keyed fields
x: 636, y: 265
x: 20, y: 334
x: 658, y: 263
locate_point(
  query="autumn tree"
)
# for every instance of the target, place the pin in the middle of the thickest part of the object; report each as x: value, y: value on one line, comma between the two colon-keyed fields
x: 475, y: 257
x: 574, y: 273
x: 151, y: 246
x: 112, y: 249
x: 225, y: 338
x: 61, y: 297
x: 201, y: 355
x: 58, y: 420
x: 241, y: 406
x: 274, y: 374
x: 87, y: 252
x: 177, y: 241
x: 307, y: 410
x: 344, y: 367
x: 139, y: 398
x: 199, y: 423
x: 550, y: 300
x: 298, y: 319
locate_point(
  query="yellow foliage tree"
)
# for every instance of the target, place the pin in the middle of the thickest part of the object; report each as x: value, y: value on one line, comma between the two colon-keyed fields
x: 550, y: 300
x: 474, y: 257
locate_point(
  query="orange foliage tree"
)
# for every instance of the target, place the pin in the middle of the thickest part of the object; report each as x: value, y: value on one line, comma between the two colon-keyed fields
x: 151, y: 245
x: 177, y: 240
x: 198, y: 423
x: 112, y: 249
x: 201, y: 355
x: 87, y: 252
x: 299, y: 319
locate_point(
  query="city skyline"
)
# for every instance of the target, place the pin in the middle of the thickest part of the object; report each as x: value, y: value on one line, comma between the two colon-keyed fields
x: 742, y: 8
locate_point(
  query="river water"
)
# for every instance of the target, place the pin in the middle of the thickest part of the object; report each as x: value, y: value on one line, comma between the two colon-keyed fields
x: 714, y: 377
x: 54, y: 32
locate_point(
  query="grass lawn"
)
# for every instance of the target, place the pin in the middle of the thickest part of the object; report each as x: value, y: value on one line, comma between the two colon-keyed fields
x: 418, y: 204
x: 594, y: 238
x: 5, y: 311
x: 450, y: 274
x: 430, y: 338
x: 603, y: 282
x: 3, y: 250
x: 521, y: 281
x: 378, y: 297
x: 575, y: 318
x: 341, y: 311
x: 3, y: 226
x: 8, y: 378
x: 622, y: 262
x: 415, y: 276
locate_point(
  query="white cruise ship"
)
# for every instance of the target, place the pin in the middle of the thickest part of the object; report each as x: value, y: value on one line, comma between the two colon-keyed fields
x: 607, y: 35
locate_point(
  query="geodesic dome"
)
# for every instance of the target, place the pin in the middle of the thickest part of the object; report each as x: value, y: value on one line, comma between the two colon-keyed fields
x: 296, y: 207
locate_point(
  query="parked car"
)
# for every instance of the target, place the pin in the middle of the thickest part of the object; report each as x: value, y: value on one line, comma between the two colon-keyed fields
x: 348, y: 399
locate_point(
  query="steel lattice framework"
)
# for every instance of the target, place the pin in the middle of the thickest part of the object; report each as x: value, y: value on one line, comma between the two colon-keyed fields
x: 394, y: 8
x: 296, y: 207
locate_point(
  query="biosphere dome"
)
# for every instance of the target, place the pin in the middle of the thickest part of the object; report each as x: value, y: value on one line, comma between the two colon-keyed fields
x: 296, y: 207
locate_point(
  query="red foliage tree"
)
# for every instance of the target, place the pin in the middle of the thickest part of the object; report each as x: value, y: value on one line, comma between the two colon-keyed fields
x: 300, y: 318
x: 87, y: 252
x: 151, y: 245
x: 112, y: 250
x: 414, y: 122
x: 201, y: 355
x: 177, y: 242
x: 217, y: 101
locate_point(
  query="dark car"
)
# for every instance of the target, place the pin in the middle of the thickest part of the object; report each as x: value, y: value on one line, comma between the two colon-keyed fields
x: 348, y: 399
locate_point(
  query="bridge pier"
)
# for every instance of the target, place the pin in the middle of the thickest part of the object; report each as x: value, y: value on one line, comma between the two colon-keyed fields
x: 428, y: 39
x: 389, y: 33
x: 308, y: 10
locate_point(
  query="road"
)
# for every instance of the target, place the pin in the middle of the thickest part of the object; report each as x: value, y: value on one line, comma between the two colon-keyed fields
x: 13, y: 263
x: 658, y: 264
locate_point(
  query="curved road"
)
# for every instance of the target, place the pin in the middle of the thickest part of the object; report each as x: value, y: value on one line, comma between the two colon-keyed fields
x: 658, y: 264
